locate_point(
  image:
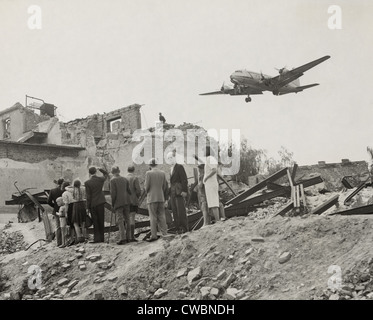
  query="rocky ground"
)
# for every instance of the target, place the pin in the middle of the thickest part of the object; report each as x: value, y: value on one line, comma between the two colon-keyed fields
x: 257, y: 256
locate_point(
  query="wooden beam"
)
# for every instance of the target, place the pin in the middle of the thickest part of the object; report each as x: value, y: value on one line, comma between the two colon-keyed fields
x: 257, y: 187
x: 326, y: 205
x: 356, y: 211
x: 358, y: 189
x: 294, y: 172
x: 285, y: 209
x: 259, y: 199
x: 303, y: 198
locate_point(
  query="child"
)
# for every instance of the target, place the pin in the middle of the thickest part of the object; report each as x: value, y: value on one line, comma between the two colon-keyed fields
x: 62, y: 216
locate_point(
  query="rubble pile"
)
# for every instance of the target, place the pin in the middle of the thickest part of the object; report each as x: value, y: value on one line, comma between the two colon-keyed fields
x: 357, y: 284
x: 11, y: 242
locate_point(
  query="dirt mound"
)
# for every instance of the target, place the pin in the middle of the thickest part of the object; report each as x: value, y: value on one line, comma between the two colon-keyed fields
x: 249, y: 257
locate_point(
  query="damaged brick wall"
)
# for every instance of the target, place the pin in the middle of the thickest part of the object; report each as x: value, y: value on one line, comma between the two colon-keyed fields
x: 32, y: 153
x: 98, y: 126
x: 332, y: 173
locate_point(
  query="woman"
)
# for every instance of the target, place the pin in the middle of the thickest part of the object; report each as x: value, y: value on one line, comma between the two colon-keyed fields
x: 79, y: 211
x: 210, y: 181
x: 68, y: 200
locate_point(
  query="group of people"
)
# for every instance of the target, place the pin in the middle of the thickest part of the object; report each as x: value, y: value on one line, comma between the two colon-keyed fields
x: 76, y: 205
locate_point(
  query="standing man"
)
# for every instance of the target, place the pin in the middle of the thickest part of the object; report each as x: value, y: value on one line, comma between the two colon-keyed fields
x: 156, y: 188
x: 120, y: 201
x: 134, y: 198
x: 179, y: 191
x: 96, y: 201
x: 54, y: 194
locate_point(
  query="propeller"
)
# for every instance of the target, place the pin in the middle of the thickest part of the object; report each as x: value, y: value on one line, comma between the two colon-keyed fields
x: 225, y: 88
x: 282, y: 70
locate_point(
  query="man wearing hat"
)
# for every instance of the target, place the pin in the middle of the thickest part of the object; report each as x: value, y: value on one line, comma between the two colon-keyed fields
x: 120, y: 200
x: 95, y: 202
x: 156, y: 188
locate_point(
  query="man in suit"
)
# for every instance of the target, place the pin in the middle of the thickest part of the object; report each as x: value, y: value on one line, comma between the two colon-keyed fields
x: 134, y: 197
x: 120, y: 200
x: 96, y: 201
x: 54, y: 194
x: 156, y: 188
x: 179, y: 191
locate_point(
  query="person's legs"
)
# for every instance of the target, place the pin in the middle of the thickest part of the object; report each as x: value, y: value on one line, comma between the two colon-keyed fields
x: 120, y: 222
x: 222, y: 212
x: 101, y: 221
x: 161, y: 218
x: 175, y: 213
x: 126, y: 211
x: 153, y: 219
x: 183, y: 220
x: 96, y: 234
x: 205, y: 213
x: 77, y: 231
x: 133, y: 211
x: 215, y: 212
x: 58, y: 230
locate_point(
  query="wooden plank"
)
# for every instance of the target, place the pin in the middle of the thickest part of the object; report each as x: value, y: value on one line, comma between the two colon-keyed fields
x: 257, y: 187
x: 289, y: 177
x: 303, y: 197
x: 285, y: 209
x: 294, y: 172
x: 326, y: 205
x: 259, y: 199
x: 358, y: 189
x: 368, y: 209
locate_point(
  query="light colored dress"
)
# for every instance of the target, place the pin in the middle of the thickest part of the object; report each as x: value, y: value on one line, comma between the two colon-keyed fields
x: 211, y: 184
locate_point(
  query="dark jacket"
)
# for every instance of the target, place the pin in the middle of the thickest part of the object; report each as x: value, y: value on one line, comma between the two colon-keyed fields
x: 179, y: 180
x: 135, y: 188
x: 93, y: 188
x: 120, y: 192
x: 52, y: 197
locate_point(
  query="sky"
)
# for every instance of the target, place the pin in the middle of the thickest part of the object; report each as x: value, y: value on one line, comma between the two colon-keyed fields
x: 97, y: 56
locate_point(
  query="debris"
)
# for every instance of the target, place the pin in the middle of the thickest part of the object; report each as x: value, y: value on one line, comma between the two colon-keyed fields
x: 93, y: 257
x: 257, y: 239
x: 160, y: 293
x: 229, y: 280
x: 221, y: 275
x: 72, y: 284
x: 205, y: 291
x: 122, y: 290
x: 62, y: 281
x: 284, y: 257
x: 182, y: 272
x: 195, y: 274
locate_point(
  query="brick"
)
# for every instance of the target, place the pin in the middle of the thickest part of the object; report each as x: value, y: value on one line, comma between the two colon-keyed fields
x: 72, y: 284
x: 83, y: 267
x: 93, y: 257
x: 66, y: 266
x: 284, y: 257
x: 182, y: 272
x: 182, y: 294
x: 257, y: 239
x: 122, y: 291
x: 229, y: 280
x: 214, y: 291
x: 113, y: 278
x: 221, y: 275
x: 160, y: 293
x: 74, y: 293
x: 64, y: 291
x: 195, y: 274
x: 62, y: 281
x: 205, y: 291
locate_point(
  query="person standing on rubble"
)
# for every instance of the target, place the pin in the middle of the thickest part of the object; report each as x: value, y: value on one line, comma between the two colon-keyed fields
x: 202, y: 201
x: 156, y: 188
x: 178, y: 193
x: 68, y: 200
x: 135, y: 188
x: 120, y: 200
x: 79, y: 211
x: 210, y: 181
x: 54, y: 194
x: 95, y: 202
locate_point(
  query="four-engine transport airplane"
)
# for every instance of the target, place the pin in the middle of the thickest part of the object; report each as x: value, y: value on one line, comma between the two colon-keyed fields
x: 249, y: 83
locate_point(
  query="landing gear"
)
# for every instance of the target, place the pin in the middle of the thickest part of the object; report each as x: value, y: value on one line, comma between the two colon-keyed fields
x: 248, y: 99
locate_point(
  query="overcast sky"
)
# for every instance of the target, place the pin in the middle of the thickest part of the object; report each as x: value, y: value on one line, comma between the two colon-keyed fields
x: 96, y: 56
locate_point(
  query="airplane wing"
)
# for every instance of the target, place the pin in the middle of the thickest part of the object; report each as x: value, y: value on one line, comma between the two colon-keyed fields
x: 297, y: 89
x: 291, y: 75
x: 241, y: 90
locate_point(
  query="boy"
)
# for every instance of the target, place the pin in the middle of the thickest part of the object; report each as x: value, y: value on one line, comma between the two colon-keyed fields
x: 62, y: 216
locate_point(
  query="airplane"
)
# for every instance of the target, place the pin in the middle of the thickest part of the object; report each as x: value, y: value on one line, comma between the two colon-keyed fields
x: 249, y: 83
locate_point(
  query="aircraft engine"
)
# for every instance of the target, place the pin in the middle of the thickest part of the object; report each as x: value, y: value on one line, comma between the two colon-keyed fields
x: 224, y: 88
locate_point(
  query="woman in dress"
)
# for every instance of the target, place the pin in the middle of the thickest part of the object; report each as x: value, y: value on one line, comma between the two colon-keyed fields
x: 210, y: 181
x: 79, y: 211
